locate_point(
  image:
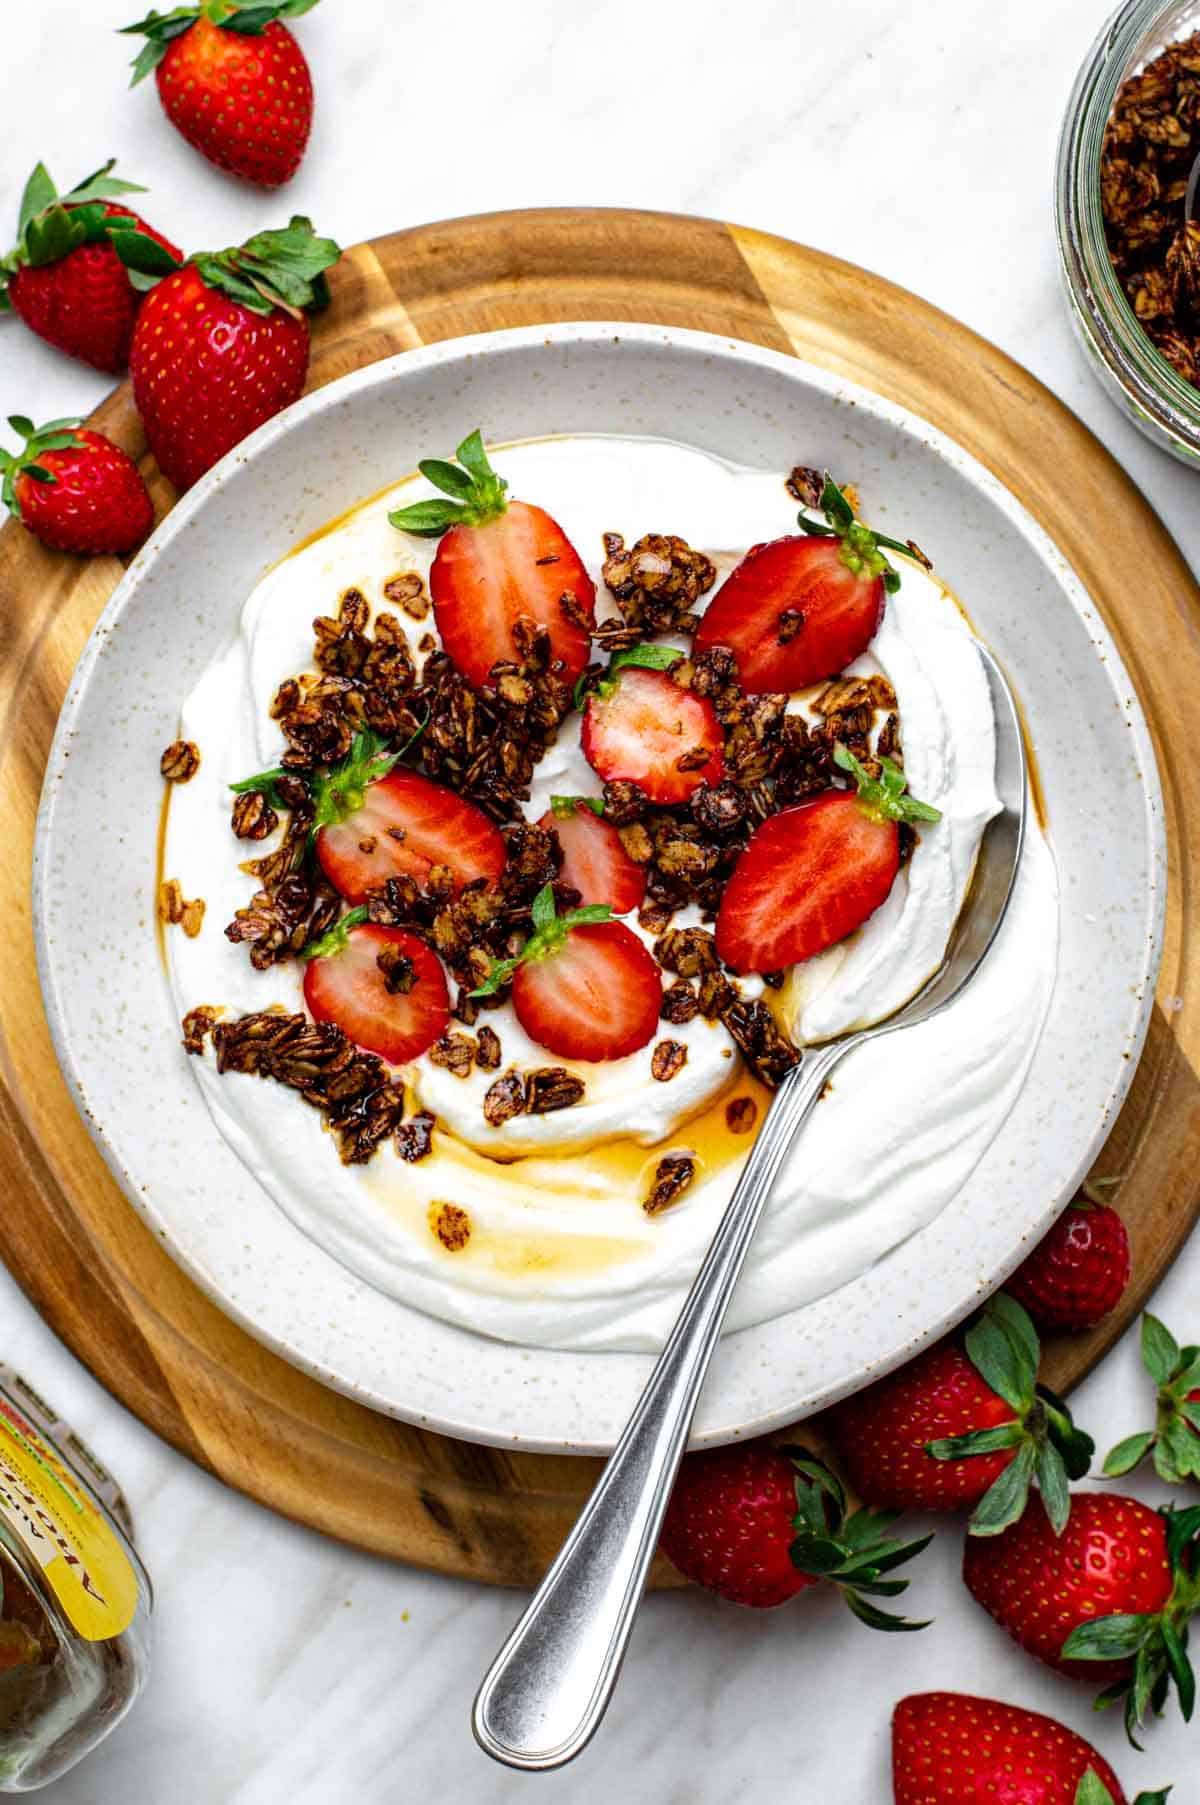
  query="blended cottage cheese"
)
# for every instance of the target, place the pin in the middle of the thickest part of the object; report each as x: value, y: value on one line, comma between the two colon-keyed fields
x: 561, y: 1252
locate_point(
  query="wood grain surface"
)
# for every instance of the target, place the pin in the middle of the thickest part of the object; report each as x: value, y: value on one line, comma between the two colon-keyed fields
x: 81, y: 1253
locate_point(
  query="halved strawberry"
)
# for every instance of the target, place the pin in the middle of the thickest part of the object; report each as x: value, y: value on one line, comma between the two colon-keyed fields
x: 594, y: 860
x: 584, y: 986
x: 499, y: 562
x: 382, y: 986
x: 640, y: 725
x: 814, y: 873
x: 800, y: 609
x: 373, y: 822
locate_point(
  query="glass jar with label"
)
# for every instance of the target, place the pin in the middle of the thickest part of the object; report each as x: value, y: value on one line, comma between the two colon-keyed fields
x: 74, y: 1598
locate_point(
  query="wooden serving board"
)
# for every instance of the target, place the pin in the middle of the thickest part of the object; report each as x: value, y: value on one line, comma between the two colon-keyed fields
x: 81, y: 1253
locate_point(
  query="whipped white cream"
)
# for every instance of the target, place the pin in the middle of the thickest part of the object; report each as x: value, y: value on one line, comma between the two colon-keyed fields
x: 561, y: 1252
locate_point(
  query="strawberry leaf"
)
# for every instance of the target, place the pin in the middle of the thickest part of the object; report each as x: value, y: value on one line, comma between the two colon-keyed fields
x: 566, y: 806
x: 1127, y: 1455
x: 550, y: 930
x: 428, y: 519
x: 101, y: 186
x: 1160, y: 1350
x: 862, y: 550
x: 283, y: 267
x: 1004, y: 1502
x: 340, y: 792
x: 329, y: 945
x: 478, y: 493
x: 640, y: 657
x: 39, y: 194
x: 1002, y: 1355
x: 882, y: 798
x: 1092, y: 1790
x: 1051, y: 1475
x: 1108, y: 1638
x: 139, y: 252
x: 1180, y: 1668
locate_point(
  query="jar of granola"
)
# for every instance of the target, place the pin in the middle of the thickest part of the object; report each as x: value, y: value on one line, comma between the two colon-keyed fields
x: 74, y: 1598
x: 1128, y: 143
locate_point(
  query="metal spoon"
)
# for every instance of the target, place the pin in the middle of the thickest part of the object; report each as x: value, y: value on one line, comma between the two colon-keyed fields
x: 551, y: 1682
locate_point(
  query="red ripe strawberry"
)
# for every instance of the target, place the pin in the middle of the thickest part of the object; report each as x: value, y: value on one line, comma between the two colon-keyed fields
x: 1174, y: 1442
x: 640, y: 726
x: 949, y: 1749
x: 757, y: 1524
x: 222, y: 344
x: 595, y: 861
x: 801, y: 609
x: 383, y: 987
x: 1109, y: 1599
x: 814, y: 873
x: 503, y: 569
x: 234, y: 82
x: 583, y: 986
x: 74, y: 489
x: 1078, y: 1272
x: 66, y: 277
x: 404, y: 825
x: 964, y: 1424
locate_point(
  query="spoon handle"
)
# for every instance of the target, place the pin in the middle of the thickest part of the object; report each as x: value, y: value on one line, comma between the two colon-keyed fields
x: 548, y: 1687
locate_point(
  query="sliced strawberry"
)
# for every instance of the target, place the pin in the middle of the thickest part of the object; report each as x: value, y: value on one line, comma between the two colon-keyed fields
x: 800, y: 609
x: 499, y: 562
x: 596, y: 996
x: 405, y: 825
x: 814, y: 873
x: 595, y: 861
x: 395, y: 1009
x: 583, y: 986
x: 641, y: 726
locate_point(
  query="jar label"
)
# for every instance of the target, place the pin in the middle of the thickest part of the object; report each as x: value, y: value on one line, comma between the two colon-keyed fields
x: 58, y: 1522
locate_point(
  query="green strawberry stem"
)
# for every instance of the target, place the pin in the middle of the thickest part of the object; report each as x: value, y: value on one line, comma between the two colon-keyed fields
x: 861, y: 550
x: 328, y: 945
x: 1156, y: 1641
x: 249, y: 18
x: 477, y: 493
x: 884, y: 798
x: 563, y: 807
x: 1003, y: 1347
x: 340, y: 790
x: 1092, y: 1791
x: 640, y: 657
x: 50, y: 226
x: 56, y: 435
x: 851, y: 1552
x: 1174, y: 1442
x: 549, y: 931
x: 282, y: 267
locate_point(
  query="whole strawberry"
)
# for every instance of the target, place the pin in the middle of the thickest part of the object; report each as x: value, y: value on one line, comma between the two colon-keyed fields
x: 234, y: 82
x: 1077, y: 1274
x: 964, y: 1424
x: 66, y: 277
x: 222, y: 344
x: 951, y: 1749
x: 1109, y: 1599
x: 1174, y: 1441
x: 757, y: 1524
x: 74, y: 489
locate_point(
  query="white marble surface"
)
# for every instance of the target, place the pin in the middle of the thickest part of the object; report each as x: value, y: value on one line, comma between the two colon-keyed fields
x: 915, y: 137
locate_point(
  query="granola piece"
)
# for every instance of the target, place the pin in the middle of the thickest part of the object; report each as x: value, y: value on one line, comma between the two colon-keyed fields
x: 341, y: 643
x: 394, y: 903
x: 668, y: 1058
x: 687, y: 951
x: 197, y: 1025
x: 672, y: 1176
x: 487, y: 1049
x: 807, y: 484
x: 769, y: 1052
x: 281, y: 919
x: 414, y: 1141
x: 407, y: 590
x: 192, y: 919
x: 454, y: 1053
x: 656, y: 582
x: 366, y: 1121
x: 789, y: 624
x: 1182, y: 273
x: 551, y: 1087
x: 451, y: 1226
x: 715, y: 994
x: 624, y: 802
x: 637, y: 842
x: 741, y: 1113
x: 719, y: 808
x: 253, y: 816
x: 656, y: 913
x: 679, y: 1003
x: 170, y: 902
x: 504, y: 1099
x: 180, y: 762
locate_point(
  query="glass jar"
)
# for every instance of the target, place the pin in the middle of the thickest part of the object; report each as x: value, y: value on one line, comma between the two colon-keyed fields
x: 75, y: 1600
x: 1152, y: 393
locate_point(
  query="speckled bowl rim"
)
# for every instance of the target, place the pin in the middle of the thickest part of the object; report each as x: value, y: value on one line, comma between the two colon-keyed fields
x: 576, y: 1432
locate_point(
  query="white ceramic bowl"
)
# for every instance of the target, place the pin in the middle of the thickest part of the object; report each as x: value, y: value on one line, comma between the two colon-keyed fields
x: 105, y: 989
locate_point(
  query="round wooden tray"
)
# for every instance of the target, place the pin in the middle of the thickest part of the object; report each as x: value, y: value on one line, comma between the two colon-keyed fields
x: 82, y: 1254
